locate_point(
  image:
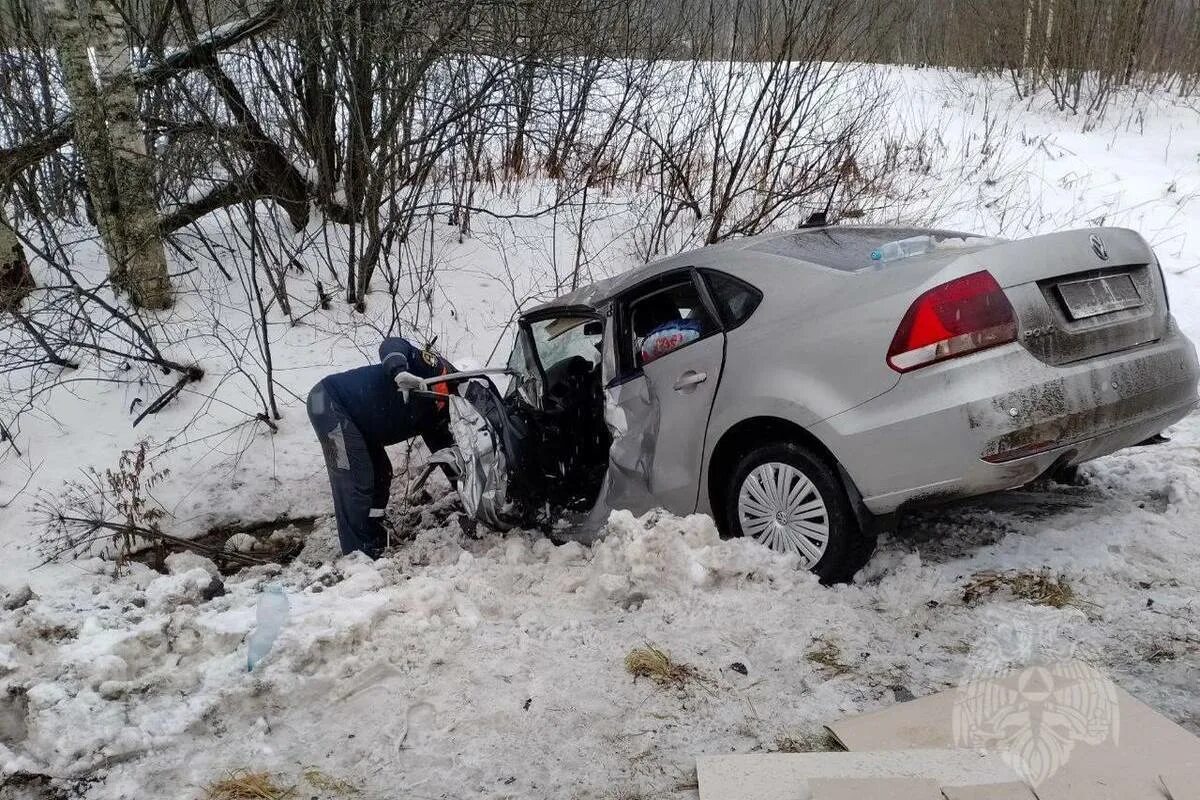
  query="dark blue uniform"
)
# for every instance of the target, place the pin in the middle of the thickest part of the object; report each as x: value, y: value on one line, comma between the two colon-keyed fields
x: 359, y: 412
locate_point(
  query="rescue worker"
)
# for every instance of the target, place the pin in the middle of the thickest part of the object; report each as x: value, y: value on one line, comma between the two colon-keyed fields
x: 356, y: 414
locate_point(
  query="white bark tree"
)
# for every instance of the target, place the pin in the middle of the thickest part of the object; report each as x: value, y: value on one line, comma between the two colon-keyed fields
x: 1047, y: 40
x: 1023, y: 81
x: 108, y: 138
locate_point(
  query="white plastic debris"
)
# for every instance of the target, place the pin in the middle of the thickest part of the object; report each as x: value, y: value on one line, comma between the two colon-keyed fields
x: 272, y: 616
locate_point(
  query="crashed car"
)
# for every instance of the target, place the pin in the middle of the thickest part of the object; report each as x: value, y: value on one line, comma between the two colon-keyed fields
x: 803, y: 388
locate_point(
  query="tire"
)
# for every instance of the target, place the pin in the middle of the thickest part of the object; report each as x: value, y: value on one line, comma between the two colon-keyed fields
x: 1067, y: 476
x: 846, y: 548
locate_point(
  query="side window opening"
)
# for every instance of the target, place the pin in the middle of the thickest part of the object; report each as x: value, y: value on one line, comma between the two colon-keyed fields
x: 665, y: 319
x: 735, y: 299
x: 564, y: 346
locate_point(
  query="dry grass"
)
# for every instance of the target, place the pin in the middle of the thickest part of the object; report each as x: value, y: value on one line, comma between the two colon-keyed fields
x: 629, y: 794
x: 242, y: 784
x: 650, y: 662
x: 1039, y: 588
x: 827, y: 654
x: 329, y: 784
x: 821, y: 742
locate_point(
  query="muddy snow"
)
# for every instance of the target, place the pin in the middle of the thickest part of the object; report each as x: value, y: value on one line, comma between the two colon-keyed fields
x: 494, y: 666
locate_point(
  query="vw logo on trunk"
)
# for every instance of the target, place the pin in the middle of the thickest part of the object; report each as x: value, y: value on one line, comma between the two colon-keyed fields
x: 1098, y: 247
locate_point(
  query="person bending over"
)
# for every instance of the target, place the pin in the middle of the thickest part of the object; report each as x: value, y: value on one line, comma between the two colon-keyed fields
x: 358, y: 413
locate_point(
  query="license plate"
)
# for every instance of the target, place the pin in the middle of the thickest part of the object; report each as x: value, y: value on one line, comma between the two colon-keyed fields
x: 1096, y: 296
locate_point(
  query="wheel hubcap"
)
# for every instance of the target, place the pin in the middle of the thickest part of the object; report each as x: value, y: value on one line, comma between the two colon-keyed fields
x: 780, y: 507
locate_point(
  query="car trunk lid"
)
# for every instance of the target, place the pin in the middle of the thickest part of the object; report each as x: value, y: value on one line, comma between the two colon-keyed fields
x: 1081, y: 294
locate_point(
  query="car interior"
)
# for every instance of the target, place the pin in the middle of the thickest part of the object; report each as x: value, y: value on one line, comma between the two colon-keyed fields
x: 562, y: 464
x: 664, y: 308
x: 564, y: 457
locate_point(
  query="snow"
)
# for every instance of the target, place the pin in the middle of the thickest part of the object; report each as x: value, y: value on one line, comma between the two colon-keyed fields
x: 493, y: 666
x: 468, y: 637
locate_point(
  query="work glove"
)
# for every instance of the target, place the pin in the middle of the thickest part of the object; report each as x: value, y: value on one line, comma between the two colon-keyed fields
x: 406, y: 382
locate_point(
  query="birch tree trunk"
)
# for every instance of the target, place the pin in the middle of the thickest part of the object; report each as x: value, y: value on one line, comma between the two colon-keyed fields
x: 1046, y: 42
x: 108, y: 138
x: 1025, y: 45
x: 15, y: 279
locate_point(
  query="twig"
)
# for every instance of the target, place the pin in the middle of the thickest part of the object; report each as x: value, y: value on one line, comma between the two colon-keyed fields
x: 21, y: 491
x: 163, y: 399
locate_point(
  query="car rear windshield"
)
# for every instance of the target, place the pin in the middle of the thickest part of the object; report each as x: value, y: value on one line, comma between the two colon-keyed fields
x: 846, y: 249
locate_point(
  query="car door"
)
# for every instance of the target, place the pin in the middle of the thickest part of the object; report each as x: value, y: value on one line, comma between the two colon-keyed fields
x: 670, y: 352
x: 540, y: 448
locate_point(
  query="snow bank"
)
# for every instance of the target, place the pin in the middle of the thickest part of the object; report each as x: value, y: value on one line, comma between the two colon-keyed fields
x: 460, y: 663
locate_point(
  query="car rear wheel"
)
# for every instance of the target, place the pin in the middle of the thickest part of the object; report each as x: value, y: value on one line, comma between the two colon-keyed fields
x: 790, y: 500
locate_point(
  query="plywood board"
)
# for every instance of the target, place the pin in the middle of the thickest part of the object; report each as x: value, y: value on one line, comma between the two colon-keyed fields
x: 989, y: 791
x: 1069, y: 733
x: 1182, y: 784
x: 874, y: 789
x: 786, y: 776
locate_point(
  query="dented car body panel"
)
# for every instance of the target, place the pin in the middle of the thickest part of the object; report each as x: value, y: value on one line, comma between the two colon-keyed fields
x: 666, y: 410
x: 929, y: 439
x: 1098, y: 364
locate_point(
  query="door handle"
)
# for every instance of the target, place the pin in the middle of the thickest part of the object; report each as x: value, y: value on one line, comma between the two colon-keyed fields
x: 690, y: 378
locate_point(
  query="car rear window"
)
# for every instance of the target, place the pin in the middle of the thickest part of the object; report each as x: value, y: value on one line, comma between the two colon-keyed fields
x: 735, y: 299
x: 846, y: 249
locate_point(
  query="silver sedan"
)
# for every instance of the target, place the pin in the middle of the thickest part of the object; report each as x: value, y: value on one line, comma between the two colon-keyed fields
x: 803, y: 388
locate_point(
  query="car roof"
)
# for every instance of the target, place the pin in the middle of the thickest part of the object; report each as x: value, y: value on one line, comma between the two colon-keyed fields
x: 842, y: 248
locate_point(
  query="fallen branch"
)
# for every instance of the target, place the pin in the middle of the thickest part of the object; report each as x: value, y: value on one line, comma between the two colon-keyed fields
x: 223, y: 196
x: 160, y: 403
x: 15, y: 159
x: 152, y: 536
x: 253, y: 185
x: 204, y: 50
x: 278, y: 177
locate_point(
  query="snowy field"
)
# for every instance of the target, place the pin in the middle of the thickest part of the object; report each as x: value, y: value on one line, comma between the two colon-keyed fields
x: 493, y: 666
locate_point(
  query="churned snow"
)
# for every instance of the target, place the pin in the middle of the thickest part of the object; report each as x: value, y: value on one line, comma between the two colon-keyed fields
x: 492, y: 666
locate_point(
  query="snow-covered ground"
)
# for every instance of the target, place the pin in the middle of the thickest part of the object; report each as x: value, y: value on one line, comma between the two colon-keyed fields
x: 493, y: 666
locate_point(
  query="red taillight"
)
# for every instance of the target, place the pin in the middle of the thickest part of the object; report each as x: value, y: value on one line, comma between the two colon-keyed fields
x: 963, y: 316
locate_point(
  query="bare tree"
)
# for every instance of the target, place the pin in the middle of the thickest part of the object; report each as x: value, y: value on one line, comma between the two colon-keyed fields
x: 1079, y: 50
x: 766, y: 124
x: 109, y: 139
